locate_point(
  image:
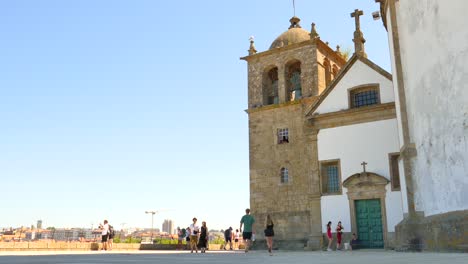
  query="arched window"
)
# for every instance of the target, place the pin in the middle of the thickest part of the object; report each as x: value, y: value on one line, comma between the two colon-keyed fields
x: 364, y: 95
x: 326, y: 64
x: 294, y: 81
x: 270, y: 92
x: 284, y: 175
x: 335, y: 71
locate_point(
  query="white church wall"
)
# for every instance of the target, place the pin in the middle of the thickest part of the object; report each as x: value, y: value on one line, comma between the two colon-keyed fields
x: 394, y: 208
x: 434, y: 54
x: 338, y: 98
x: 370, y: 142
x: 335, y: 208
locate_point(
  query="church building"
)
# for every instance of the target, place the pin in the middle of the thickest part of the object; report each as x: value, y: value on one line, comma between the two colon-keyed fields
x: 323, y: 141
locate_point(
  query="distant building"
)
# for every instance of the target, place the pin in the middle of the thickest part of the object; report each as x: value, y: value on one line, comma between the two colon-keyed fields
x: 168, y: 226
x: 39, y: 224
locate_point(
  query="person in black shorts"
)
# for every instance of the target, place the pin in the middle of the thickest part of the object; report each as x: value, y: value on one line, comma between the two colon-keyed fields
x: 228, y: 238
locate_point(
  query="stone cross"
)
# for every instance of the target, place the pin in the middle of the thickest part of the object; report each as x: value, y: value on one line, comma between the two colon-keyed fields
x: 358, y: 36
x: 364, y: 166
x: 356, y: 14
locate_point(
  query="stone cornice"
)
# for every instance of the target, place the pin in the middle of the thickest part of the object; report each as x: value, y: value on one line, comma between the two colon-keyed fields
x: 303, y: 101
x: 354, y: 116
x: 277, y: 50
x: 317, y: 42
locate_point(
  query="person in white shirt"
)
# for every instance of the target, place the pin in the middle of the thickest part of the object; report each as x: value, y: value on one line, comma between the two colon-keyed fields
x: 195, y: 232
x: 236, y: 239
x: 105, y: 234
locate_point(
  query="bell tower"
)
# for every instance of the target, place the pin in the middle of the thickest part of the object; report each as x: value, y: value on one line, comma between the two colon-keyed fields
x: 284, y: 180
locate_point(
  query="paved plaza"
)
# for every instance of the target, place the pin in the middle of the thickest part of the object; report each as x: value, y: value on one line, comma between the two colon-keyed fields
x: 142, y: 257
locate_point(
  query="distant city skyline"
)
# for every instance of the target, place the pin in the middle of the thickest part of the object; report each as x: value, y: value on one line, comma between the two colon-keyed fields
x: 109, y: 108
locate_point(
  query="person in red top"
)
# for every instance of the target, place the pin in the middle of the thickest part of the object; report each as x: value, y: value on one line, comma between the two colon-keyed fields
x: 329, y: 236
x: 339, y: 233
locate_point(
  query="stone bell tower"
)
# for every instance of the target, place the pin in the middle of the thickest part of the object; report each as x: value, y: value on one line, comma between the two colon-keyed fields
x: 284, y: 181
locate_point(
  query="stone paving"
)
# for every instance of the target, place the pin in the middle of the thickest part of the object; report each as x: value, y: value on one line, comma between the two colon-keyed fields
x: 223, y: 257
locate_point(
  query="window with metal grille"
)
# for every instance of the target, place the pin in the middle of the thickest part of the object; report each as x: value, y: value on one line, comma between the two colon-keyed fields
x: 365, y: 98
x: 284, y: 175
x: 283, y: 135
x: 331, y: 180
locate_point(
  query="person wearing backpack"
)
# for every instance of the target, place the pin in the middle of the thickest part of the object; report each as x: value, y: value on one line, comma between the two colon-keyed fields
x: 110, y: 241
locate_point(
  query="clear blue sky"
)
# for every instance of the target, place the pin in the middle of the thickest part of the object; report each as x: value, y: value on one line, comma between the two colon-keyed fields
x: 110, y: 108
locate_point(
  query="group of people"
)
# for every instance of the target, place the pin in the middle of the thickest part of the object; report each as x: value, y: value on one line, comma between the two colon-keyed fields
x: 197, y: 237
x: 108, y: 233
x: 229, y: 236
x: 339, y: 237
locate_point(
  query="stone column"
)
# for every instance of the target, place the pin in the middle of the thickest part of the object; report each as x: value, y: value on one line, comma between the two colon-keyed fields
x: 282, y: 87
x: 315, y: 236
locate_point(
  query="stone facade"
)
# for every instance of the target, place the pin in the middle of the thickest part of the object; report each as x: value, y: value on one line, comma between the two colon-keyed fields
x: 293, y: 205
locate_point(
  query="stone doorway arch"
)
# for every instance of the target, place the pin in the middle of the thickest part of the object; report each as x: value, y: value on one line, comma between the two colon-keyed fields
x: 367, y: 186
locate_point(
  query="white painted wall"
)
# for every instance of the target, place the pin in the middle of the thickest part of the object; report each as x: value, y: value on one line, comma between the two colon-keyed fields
x: 370, y: 142
x: 434, y: 50
x: 359, y: 74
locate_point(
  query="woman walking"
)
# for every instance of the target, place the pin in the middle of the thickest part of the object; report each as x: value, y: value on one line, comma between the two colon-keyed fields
x: 203, y: 241
x: 329, y: 236
x: 269, y: 234
x: 339, y: 233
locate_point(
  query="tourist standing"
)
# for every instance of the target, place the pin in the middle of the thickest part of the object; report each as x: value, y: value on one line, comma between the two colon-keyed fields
x: 339, y: 233
x: 329, y: 236
x: 104, y: 234
x: 188, y: 232
x: 236, y: 239
x: 228, y: 238
x: 110, y: 241
x: 180, y: 237
x: 269, y: 234
x: 248, y: 221
x: 195, y: 229
x: 203, y: 240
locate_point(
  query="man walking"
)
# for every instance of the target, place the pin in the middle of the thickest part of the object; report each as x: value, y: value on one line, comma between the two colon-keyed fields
x: 248, y: 221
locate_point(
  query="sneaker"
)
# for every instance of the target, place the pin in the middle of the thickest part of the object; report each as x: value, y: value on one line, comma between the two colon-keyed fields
x: 329, y: 249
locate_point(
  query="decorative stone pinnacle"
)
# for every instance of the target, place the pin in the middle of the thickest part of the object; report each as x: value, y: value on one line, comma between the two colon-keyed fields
x: 337, y: 51
x: 252, y: 49
x: 313, y: 32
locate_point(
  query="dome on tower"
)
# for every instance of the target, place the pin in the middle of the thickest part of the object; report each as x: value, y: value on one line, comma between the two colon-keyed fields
x: 294, y: 34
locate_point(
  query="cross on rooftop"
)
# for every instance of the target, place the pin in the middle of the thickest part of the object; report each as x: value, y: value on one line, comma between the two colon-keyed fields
x: 356, y: 14
x: 364, y: 166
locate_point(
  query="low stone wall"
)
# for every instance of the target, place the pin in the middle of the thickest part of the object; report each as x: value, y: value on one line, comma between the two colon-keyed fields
x: 86, y: 246
x: 443, y: 232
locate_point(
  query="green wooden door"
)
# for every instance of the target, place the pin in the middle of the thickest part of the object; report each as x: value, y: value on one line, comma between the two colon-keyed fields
x: 369, y: 223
